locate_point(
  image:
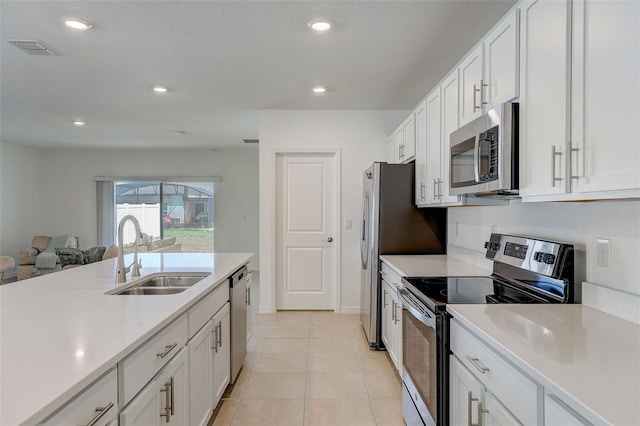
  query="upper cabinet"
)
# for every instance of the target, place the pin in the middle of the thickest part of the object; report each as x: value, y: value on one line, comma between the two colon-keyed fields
x: 489, y: 73
x: 580, y: 100
x: 405, y: 141
x: 421, y: 175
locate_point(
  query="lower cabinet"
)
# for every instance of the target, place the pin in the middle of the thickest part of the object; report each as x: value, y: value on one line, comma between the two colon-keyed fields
x: 391, y: 316
x: 164, y: 399
x: 557, y: 413
x: 200, y: 350
x: 221, y: 352
x: 97, y: 405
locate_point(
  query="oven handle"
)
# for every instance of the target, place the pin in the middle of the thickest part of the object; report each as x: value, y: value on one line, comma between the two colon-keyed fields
x: 415, y: 310
x: 476, y: 159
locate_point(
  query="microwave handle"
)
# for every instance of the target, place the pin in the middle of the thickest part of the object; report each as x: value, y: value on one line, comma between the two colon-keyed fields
x: 476, y: 160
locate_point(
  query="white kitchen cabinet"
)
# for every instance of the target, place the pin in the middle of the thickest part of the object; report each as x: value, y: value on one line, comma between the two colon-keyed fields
x: 605, y: 96
x: 200, y: 353
x: 489, y: 73
x: 96, y: 405
x: 580, y: 100
x: 405, y: 141
x: 392, y: 315
x: 249, y: 309
x: 471, y: 85
x: 421, y: 176
x: 544, y: 97
x: 508, y: 397
x: 390, y: 149
x: 501, y: 61
x: 164, y: 399
x: 465, y: 392
x: 221, y: 352
x: 434, y: 147
x: 450, y: 122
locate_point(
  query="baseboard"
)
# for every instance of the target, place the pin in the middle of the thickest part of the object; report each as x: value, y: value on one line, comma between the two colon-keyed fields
x: 266, y: 310
x: 350, y: 309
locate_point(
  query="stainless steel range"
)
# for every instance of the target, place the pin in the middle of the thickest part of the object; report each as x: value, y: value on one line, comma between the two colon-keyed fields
x: 525, y: 270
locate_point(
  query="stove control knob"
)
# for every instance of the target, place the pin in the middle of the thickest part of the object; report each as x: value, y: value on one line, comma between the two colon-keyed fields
x: 549, y: 259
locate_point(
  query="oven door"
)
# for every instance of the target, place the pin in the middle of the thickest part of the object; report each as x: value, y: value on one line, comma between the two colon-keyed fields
x: 419, y: 358
x: 463, y: 160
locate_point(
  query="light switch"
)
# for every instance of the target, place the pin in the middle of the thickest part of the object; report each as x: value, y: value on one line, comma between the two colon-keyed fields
x: 348, y: 224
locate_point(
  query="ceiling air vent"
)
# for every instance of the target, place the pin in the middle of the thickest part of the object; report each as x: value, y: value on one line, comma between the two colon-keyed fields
x: 251, y: 140
x: 34, y: 47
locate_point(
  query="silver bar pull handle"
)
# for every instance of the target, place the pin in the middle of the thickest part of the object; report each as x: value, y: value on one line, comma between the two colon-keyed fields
x: 167, y: 402
x: 219, y: 344
x: 470, y: 401
x: 554, y: 154
x: 482, y: 86
x: 576, y: 151
x: 384, y: 299
x: 397, y: 319
x: 393, y: 310
x: 422, y: 187
x: 172, y: 398
x: 215, y: 338
x: 476, y: 363
x: 481, y: 411
x: 475, y: 90
x: 100, y: 412
x: 168, y: 348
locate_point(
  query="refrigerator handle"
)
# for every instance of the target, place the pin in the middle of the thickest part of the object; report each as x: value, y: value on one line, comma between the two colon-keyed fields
x: 364, y: 240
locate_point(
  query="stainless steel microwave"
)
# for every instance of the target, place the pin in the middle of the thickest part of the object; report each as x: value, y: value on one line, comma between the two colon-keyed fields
x: 483, y: 154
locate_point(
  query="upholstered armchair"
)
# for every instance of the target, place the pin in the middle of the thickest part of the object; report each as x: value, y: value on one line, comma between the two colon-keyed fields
x: 27, y: 260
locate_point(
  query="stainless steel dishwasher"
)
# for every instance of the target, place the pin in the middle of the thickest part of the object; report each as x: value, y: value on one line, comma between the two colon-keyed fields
x: 238, y: 298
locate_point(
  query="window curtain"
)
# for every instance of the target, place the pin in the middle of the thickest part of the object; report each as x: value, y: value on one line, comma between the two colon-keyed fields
x: 105, y: 191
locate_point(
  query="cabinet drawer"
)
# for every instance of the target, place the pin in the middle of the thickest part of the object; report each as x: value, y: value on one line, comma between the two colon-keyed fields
x: 98, y: 402
x: 202, y: 311
x: 515, y: 390
x: 149, y: 358
x: 389, y: 275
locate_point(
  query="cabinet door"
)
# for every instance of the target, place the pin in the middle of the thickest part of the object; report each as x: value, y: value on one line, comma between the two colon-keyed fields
x: 501, y: 50
x: 409, y: 144
x: 434, y: 152
x: 465, y: 394
x: 397, y: 331
x: 249, y: 309
x: 399, y: 144
x: 201, y: 375
x: 221, y: 353
x: 144, y: 409
x: 421, y: 153
x: 391, y: 149
x: 544, y: 97
x: 173, y: 381
x: 386, y: 315
x: 606, y: 95
x: 471, y: 95
x: 495, y: 414
x: 450, y: 122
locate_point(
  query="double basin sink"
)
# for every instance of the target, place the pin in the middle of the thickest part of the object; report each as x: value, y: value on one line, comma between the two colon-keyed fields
x: 162, y: 284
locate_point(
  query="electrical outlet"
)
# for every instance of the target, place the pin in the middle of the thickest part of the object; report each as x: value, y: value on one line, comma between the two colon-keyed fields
x: 604, y: 252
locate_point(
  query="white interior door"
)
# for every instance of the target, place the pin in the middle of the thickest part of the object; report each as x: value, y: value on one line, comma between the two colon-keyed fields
x: 306, y: 231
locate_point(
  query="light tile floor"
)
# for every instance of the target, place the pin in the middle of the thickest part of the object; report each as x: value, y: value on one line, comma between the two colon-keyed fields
x: 311, y: 368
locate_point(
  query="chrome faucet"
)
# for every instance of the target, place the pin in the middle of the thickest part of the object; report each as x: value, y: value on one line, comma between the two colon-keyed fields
x: 136, y: 265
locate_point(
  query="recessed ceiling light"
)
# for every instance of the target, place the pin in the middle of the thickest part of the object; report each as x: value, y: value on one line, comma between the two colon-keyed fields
x: 77, y: 24
x: 319, y: 89
x: 320, y: 25
x: 160, y: 88
x: 79, y: 123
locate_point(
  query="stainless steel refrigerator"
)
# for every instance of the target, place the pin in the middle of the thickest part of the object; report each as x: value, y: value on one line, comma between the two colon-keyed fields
x: 391, y: 224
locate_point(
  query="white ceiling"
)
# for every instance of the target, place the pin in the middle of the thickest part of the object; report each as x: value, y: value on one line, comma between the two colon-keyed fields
x: 224, y: 60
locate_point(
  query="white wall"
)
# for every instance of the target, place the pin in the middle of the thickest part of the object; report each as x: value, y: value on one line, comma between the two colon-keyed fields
x: 577, y: 223
x: 361, y: 137
x: 19, y: 201
x: 63, y: 187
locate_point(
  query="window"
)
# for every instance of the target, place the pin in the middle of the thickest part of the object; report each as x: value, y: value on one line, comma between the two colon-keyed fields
x: 167, y: 209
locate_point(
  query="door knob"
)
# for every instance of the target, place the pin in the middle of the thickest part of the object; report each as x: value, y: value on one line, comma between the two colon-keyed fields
x: 329, y: 240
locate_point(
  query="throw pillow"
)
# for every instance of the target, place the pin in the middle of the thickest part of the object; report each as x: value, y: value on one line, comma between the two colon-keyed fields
x: 70, y: 256
x: 94, y: 254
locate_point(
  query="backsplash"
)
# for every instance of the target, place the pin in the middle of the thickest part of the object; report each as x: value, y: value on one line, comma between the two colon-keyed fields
x: 615, y: 289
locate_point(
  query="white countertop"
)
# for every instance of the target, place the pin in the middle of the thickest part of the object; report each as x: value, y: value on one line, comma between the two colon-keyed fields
x: 589, y: 359
x: 434, y: 265
x: 59, y: 332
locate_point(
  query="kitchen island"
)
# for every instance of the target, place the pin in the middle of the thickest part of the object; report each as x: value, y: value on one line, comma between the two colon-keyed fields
x: 61, y: 332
